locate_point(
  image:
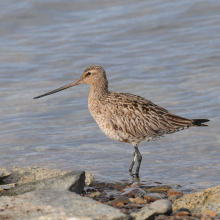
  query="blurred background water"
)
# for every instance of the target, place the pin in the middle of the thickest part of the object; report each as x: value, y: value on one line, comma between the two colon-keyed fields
x: 164, y: 50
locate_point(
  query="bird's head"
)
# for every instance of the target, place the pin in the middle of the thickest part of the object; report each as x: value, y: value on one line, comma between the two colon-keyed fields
x: 93, y: 75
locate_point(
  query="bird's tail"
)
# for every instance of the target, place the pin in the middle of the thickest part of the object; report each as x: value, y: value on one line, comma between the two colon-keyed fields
x: 198, y: 122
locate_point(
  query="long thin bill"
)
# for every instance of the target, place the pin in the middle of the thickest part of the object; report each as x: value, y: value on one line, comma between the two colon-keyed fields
x: 79, y: 81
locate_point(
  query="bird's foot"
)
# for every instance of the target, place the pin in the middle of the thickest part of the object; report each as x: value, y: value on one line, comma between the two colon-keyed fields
x: 135, y: 175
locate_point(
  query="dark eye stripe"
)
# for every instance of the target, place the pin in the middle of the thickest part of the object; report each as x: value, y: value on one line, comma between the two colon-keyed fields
x: 89, y: 73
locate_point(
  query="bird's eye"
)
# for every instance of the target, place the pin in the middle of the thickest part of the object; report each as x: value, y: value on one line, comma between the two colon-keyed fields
x: 89, y: 73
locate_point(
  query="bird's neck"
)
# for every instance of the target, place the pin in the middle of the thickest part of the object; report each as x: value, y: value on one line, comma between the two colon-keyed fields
x: 99, y: 91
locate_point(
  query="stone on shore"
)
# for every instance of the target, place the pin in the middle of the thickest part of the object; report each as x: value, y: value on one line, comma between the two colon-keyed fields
x: 144, y: 213
x: 201, y: 202
x: 73, y: 181
x: 55, y: 205
x: 159, y: 189
x: 4, y: 173
x: 22, y: 175
x: 161, y: 206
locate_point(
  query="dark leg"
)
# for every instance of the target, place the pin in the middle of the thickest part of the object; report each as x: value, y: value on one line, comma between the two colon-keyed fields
x: 133, y: 161
x: 139, y: 157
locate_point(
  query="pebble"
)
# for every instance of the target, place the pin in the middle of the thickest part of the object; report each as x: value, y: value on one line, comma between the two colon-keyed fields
x: 174, y: 197
x: 94, y: 194
x: 152, y: 197
x: 132, y: 199
x: 131, y: 192
x: 136, y: 206
x: 120, y: 204
x: 140, y: 201
x: 121, y: 199
x: 144, y: 213
x: 183, y: 213
x: 211, y: 214
x: 161, y: 206
x: 197, y: 215
x: 7, y: 186
x: 159, y: 189
x: 173, y: 192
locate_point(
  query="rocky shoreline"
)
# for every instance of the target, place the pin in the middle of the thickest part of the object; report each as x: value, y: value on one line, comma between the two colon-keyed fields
x: 44, y: 193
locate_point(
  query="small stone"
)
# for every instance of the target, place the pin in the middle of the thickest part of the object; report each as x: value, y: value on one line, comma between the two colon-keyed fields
x: 135, y: 184
x: 7, y: 186
x: 173, y: 192
x: 89, y: 178
x: 196, y: 215
x: 120, y: 204
x: 211, y: 214
x: 152, y: 197
x: 136, y: 206
x: 174, y: 197
x: 131, y: 192
x: 161, y: 206
x: 94, y: 194
x: 140, y: 201
x: 4, y: 173
x: 183, y: 213
x: 121, y: 199
x: 132, y: 199
x: 144, y: 213
x: 160, y: 189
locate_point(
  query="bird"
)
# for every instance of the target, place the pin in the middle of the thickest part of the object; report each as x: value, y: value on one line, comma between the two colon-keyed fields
x: 126, y: 117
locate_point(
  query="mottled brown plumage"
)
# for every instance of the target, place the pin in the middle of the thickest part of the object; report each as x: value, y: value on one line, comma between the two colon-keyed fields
x: 125, y: 117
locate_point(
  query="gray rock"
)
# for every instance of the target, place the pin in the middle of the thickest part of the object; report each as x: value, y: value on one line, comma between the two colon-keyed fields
x: 22, y: 175
x: 73, y: 181
x: 55, y: 205
x: 8, y: 186
x: 144, y: 213
x: 4, y: 173
x: 161, y: 206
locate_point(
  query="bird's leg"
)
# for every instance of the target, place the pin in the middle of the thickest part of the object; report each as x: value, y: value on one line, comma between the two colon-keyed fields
x: 133, y: 161
x: 139, y: 157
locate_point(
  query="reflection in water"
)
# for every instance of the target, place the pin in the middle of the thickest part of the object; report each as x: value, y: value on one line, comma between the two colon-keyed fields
x: 165, y: 51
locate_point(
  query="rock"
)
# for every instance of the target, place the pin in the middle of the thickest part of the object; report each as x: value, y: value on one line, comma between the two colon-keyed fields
x: 161, y: 206
x: 181, y: 212
x: 132, y: 192
x: 4, y: 173
x: 144, y: 213
x: 22, y: 175
x: 174, y: 197
x: 211, y: 214
x: 90, y: 179
x: 139, y: 201
x: 94, y: 194
x: 201, y: 202
x: 121, y: 199
x: 8, y: 186
x: 55, y: 205
x: 132, y: 199
x: 121, y: 204
x: 73, y: 181
x: 173, y: 192
x: 152, y: 197
x: 159, y: 189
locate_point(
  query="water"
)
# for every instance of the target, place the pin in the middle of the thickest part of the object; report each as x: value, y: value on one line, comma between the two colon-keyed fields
x: 166, y: 51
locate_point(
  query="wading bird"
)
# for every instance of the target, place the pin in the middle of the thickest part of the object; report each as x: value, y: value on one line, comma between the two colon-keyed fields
x: 125, y: 117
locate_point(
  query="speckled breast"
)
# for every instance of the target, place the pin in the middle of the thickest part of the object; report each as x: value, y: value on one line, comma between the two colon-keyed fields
x: 101, y: 118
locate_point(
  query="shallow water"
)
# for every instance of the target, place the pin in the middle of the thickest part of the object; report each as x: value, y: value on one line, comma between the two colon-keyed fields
x: 166, y: 51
